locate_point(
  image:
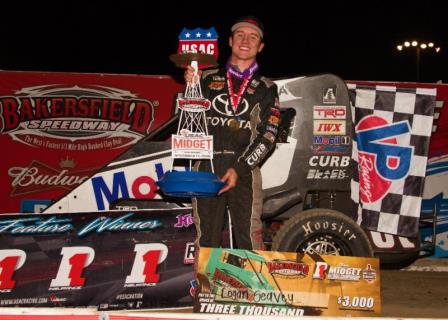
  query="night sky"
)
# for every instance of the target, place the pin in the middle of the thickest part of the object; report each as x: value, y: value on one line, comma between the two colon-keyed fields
x: 354, y: 41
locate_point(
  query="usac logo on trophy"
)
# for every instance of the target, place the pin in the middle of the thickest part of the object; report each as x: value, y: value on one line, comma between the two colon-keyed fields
x: 204, y: 41
x: 198, y: 48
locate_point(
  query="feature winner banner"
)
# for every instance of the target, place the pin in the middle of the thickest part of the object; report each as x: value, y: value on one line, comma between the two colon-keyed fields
x: 264, y: 283
x: 112, y: 260
x: 60, y: 128
x: 393, y: 126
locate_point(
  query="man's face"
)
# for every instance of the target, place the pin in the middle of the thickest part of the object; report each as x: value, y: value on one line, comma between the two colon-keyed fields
x: 245, y: 43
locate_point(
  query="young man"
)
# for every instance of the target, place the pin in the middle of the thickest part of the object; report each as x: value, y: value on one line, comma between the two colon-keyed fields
x: 243, y: 120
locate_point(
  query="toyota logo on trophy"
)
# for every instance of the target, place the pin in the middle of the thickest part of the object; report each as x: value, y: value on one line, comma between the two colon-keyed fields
x: 199, y: 49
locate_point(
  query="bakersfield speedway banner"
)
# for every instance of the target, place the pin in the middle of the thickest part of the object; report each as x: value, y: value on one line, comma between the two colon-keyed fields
x: 112, y: 260
x: 263, y: 283
x: 57, y: 129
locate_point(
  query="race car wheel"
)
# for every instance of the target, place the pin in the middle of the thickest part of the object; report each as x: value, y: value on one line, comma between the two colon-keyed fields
x: 323, y: 232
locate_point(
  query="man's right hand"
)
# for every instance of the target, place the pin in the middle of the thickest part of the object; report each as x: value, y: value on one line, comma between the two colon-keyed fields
x: 189, y: 74
x: 230, y: 178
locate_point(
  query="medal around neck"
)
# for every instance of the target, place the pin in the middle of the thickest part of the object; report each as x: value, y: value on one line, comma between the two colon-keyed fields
x: 192, y: 140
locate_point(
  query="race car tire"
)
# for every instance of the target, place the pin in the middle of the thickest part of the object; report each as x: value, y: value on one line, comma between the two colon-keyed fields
x: 322, y: 231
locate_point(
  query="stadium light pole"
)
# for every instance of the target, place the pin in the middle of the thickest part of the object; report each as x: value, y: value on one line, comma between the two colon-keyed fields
x: 418, y: 46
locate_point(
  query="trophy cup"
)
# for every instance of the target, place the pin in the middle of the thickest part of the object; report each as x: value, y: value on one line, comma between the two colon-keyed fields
x: 192, y: 141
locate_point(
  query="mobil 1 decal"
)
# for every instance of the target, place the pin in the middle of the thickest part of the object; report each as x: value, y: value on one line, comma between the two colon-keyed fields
x: 331, y: 145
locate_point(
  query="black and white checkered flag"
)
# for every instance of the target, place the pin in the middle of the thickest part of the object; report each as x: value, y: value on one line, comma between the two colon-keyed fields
x: 393, y: 127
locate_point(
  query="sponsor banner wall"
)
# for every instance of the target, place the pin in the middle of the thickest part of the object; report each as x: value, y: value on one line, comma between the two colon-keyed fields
x: 57, y: 129
x: 112, y: 260
x: 262, y: 283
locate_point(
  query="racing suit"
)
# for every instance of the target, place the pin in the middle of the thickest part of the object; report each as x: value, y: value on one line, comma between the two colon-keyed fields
x: 242, y: 139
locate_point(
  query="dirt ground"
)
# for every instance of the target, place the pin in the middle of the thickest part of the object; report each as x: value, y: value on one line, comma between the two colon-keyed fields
x: 416, y: 293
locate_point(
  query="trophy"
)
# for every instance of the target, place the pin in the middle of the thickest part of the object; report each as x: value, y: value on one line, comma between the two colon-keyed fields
x: 197, y: 48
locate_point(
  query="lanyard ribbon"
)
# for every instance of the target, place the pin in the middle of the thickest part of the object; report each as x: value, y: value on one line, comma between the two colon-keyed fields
x: 246, y: 75
x: 236, y: 98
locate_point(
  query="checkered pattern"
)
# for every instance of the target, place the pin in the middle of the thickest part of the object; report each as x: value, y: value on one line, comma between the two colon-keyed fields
x: 398, y: 210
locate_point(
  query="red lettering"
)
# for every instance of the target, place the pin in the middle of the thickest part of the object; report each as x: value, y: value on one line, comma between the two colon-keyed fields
x: 142, y: 117
x: 191, y: 144
x: 115, y: 110
x: 144, y: 268
x: 77, y: 263
x: 57, y: 107
x: 26, y: 110
x: 16, y: 110
x: 41, y: 110
x: 94, y: 108
x: 177, y: 143
x: 9, y: 113
x: 330, y: 127
x: 7, y: 267
x: 330, y: 112
x: 141, y: 181
x: 83, y: 107
x: 71, y: 109
x: 325, y: 127
x: 151, y: 259
x: 322, y: 269
x: 105, y: 109
x: 125, y: 113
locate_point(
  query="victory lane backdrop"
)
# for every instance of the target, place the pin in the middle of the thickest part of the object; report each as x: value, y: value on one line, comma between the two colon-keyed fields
x: 113, y: 260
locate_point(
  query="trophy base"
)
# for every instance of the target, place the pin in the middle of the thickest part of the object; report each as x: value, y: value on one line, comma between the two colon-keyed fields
x: 187, y: 184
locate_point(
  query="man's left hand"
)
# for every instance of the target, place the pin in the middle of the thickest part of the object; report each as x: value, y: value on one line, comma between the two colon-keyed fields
x: 230, y: 178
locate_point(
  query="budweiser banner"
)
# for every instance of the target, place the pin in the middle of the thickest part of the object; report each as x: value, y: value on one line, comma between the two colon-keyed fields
x: 262, y: 283
x: 59, y: 128
x: 112, y: 260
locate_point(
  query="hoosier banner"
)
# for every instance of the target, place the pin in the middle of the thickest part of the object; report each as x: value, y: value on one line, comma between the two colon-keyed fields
x: 266, y: 283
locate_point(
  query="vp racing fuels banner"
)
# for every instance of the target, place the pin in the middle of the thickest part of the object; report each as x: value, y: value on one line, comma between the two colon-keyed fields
x: 112, y: 260
x: 435, y: 193
x: 263, y: 283
x: 393, y: 128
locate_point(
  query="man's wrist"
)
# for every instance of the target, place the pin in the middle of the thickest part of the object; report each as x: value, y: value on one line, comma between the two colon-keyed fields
x: 240, y: 167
